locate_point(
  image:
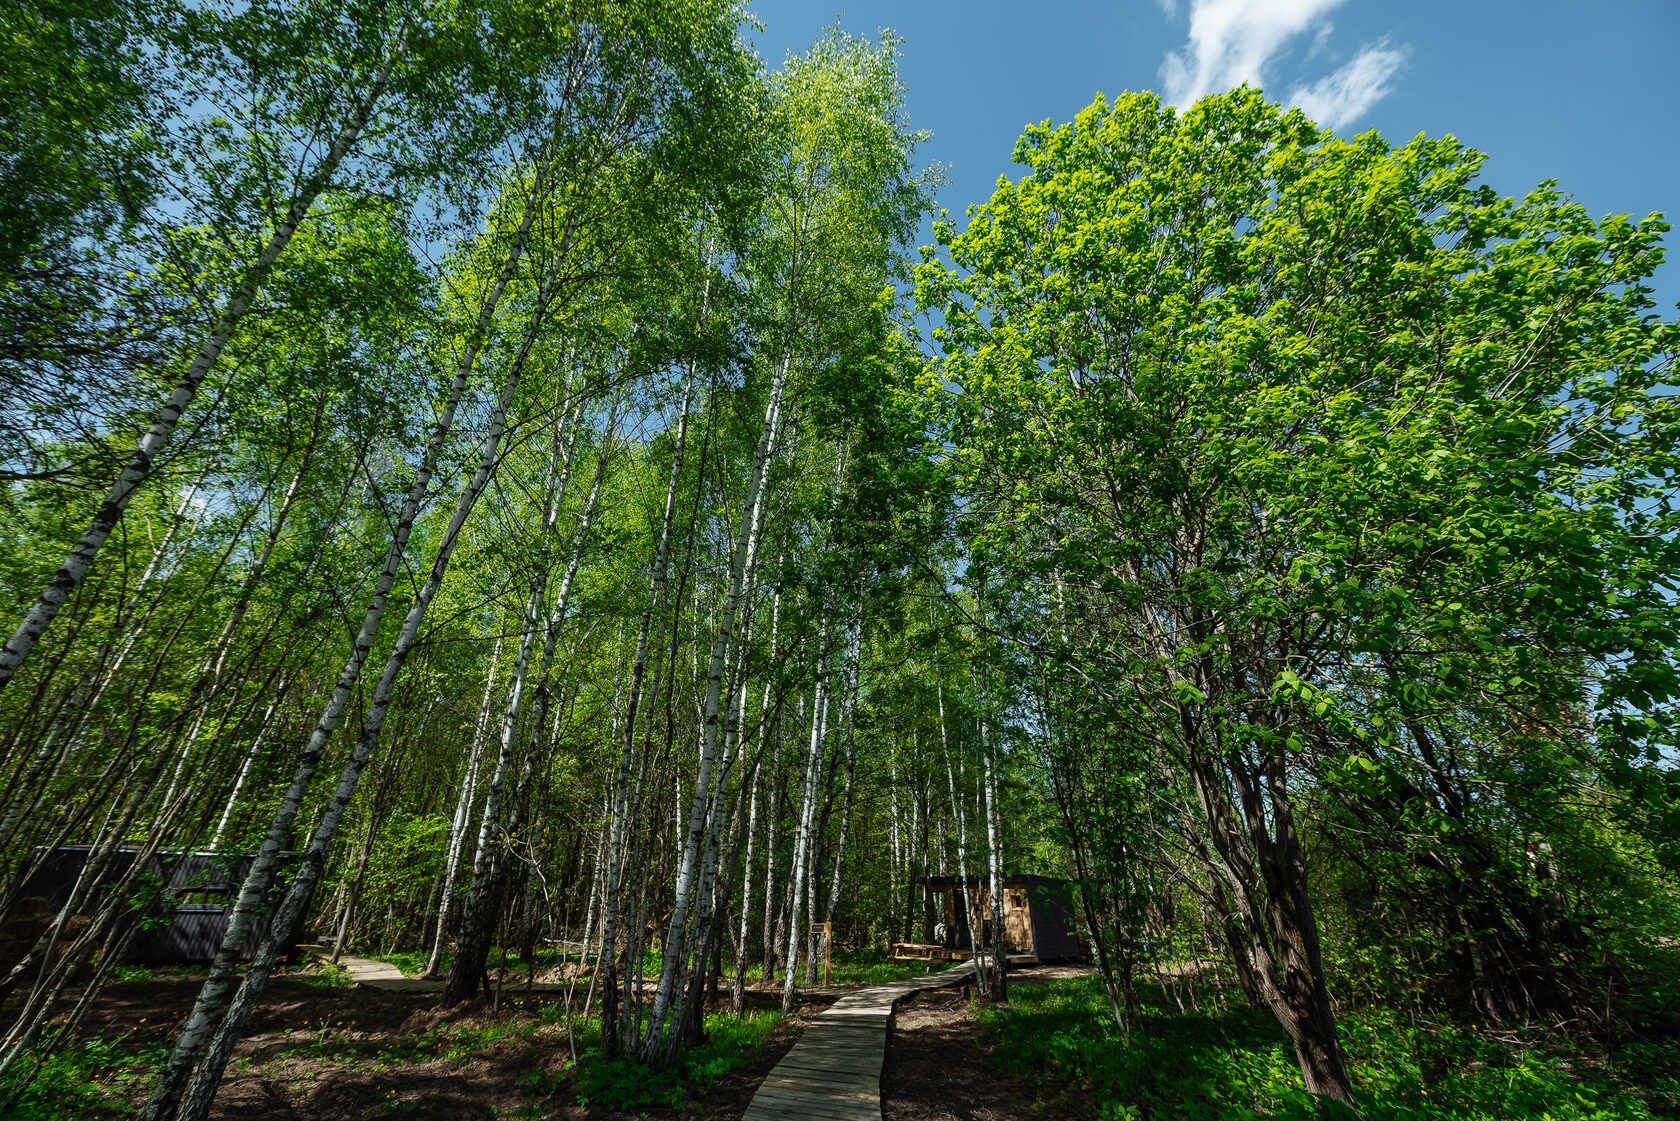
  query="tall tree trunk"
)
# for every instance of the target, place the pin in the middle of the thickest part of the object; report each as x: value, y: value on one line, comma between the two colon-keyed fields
x: 208, y: 1077
x: 809, y: 786
x: 957, y: 814
x: 851, y: 763
x: 742, y: 570
x: 245, y: 768
x: 994, y: 862
x: 738, y: 990
x: 166, y: 1094
x: 1269, y: 913
x: 714, y: 894
x: 770, y: 908
x: 89, y: 689
x: 619, y: 818
x: 489, y: 861
x: 463, y: 815
x: 893, y: 872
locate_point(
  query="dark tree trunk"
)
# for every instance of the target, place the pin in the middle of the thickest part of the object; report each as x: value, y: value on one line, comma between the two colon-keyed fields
x: 1269, y: 922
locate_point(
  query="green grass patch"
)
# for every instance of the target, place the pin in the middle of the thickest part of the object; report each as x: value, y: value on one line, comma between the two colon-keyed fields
x: 413, y: 962
x: 90, y: 1080
x: 1061, y: 1038
x: 731, y: 1044
x: 870, y: 967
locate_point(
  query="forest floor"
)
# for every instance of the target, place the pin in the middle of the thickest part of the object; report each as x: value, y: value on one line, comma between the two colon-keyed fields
x: 940, y: 1065
x: 321, y: 1050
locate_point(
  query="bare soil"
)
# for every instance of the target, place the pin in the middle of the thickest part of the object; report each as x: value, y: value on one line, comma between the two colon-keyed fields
x: 314, y: 1052
x: 938, y: 1064
x: 317, y: 1052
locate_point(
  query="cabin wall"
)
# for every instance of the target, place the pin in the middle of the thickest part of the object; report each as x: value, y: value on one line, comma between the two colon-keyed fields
x: 207, y: 887
x: 1017, y: 920
x: 1054, y: 936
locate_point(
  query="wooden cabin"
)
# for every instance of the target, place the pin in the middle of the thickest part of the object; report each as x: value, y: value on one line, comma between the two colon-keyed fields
x: 1037, y: 916
x: 200, y: 888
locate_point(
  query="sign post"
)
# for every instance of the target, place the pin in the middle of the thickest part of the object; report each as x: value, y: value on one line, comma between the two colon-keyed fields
x: 826, y: 929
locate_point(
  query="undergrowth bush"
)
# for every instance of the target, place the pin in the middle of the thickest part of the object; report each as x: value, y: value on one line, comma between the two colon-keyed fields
x: 82, y: 1082
x: 1213, y: 1066
x: 619, y: 1084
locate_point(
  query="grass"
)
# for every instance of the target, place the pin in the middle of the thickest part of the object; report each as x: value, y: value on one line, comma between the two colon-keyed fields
x: 1061, y: 1038
x: 731, y: 1044
x: 91, y: 1080
x: 322, y: 973
x: 413, y: 962
x: 87, y: 1081
x: 867, y: 966
x: 618, y: 1084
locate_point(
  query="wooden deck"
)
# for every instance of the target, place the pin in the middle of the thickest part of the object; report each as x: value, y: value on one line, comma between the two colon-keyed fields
x: 834, y: 1072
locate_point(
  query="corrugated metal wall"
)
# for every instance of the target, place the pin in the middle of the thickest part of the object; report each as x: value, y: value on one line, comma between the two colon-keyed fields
x: 189, y: 931
x: 1054, y: 937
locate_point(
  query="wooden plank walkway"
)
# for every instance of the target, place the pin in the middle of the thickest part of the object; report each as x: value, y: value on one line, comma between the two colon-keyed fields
x: 384, y: 976
x: 834, y: 1072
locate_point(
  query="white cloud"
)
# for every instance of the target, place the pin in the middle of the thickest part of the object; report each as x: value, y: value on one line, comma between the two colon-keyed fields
x: 1232, y: 40
x: 1341, y: 97
x: 1236, y: 41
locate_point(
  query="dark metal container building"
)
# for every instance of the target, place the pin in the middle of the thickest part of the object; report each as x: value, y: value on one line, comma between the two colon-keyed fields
x: 194, y: 895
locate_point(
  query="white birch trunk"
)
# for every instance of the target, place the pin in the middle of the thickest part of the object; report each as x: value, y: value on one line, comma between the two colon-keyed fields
x: 620, y: 815
x: 962, y: 838
x: 712, y: 889
x: 492, y: 836
x: 851, y: 763
x: 89, y: 689
x: 809, y: 787
x: 245, y: 767
x: 202, y: 1089
x: 741, y: 572
x: 893, y: 928
x: 167, y: 1092
x: 744, y: 559
x: 463, y: 815
x: 994, y: 860
x: 741, y: 945
x: 739, y: 988
x: 210, y: 677
x: 769, y: 940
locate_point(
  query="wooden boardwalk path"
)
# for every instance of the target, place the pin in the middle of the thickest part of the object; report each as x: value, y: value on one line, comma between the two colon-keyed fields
x: 388, y: 978
x: 834, y: 1072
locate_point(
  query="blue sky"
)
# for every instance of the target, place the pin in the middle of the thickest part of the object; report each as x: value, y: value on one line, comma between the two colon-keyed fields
x: 1585, y: 93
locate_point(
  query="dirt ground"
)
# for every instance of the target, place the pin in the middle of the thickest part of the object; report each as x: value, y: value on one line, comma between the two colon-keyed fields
x: 938, y: 1065
x: 315, y: 1052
